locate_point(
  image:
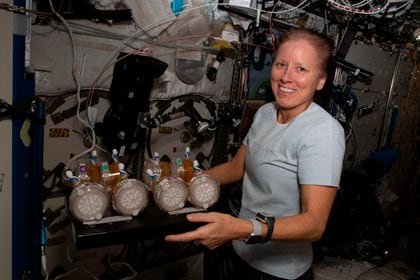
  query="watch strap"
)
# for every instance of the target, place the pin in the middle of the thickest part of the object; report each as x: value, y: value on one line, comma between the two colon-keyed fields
x: 255, y: 236
x: 257, y: 227
x: 269, y: 221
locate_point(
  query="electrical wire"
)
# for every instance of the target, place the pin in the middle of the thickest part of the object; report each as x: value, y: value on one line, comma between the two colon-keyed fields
x: 350, y: 8
x: 350, y: 131
x: 74, y: 270
x: 105, y: 68
x: 90, y: 31
x: 26, y: 10
x: 111, y: 61
x: 169, y: 105
x: 361, y: 3
x: 170, y: 19
x: 301, y: 5
x: 394, y: 11
x: 87, y: 125
x: 76, y: 77
x: 115, y: 265
x: 354, y: 149
x: 139, y: 51
x: 68, y: 92
x: 108, y: 64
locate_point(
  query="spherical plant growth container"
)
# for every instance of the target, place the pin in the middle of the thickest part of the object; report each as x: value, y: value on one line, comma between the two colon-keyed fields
x: 89, y: 202
x: 130, y: 197
x: 204, y: 191
x: 170, y: 194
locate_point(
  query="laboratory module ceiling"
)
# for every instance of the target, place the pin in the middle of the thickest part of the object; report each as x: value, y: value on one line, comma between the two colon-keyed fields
x: 397, y: 23
x: 392, y: 23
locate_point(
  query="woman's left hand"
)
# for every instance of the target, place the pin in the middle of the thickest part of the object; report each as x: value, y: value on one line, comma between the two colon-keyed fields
x: 220, y: 228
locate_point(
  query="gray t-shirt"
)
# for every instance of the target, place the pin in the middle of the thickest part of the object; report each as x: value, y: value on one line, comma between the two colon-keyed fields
x: 308, y: 150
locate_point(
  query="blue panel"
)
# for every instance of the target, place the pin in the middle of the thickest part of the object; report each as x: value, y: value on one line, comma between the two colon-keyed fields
x: 27, y: 175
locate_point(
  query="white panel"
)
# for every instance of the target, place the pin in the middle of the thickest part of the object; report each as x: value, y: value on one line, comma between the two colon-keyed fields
x: 52, y: 62
x: 6, y: 31
x: 60, y: 149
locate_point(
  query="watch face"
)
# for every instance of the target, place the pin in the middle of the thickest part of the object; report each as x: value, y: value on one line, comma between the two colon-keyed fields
x: 265, y: 214
x: 264, y: 217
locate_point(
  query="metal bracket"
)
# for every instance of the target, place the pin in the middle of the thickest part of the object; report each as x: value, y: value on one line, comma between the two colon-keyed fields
x: 27, y: 108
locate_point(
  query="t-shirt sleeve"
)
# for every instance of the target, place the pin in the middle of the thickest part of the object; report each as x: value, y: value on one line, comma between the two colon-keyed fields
x: 321, y: 155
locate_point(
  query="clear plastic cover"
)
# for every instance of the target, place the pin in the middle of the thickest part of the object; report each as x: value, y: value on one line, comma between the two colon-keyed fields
x: 171, y: 193
x: 204, y: 191
x: 130, y: 197
x: 151, y: 172
x: 89, y: 201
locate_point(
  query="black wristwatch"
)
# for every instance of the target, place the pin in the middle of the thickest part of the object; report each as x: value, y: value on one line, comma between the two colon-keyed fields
x: 269, y: 221
x: 256, y: 235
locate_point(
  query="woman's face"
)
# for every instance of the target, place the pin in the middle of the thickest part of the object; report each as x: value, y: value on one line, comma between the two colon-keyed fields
x: 295, y: 76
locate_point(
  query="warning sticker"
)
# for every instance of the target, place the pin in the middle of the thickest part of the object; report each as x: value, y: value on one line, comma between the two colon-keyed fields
x: 165, y: 129
x: 59, y: 132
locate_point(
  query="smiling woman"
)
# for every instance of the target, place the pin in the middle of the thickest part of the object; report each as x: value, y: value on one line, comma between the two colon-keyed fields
x: 299, y: 70
x: 290, y: 162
